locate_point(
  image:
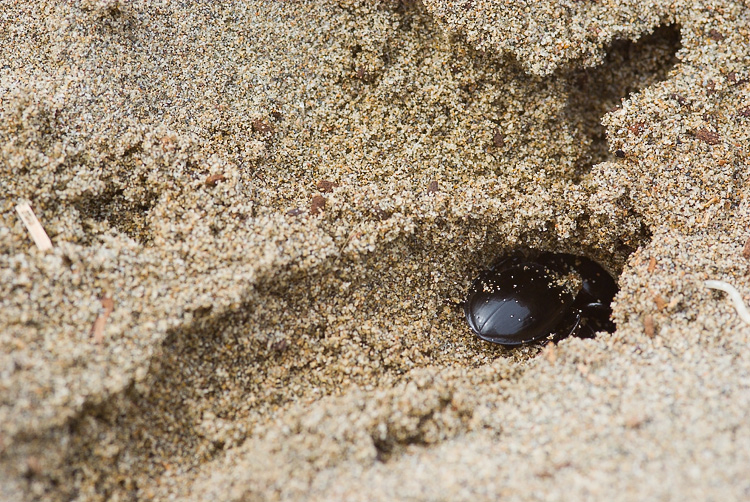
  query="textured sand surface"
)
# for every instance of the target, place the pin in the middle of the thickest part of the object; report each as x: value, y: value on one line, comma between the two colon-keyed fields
x: 282, y: 201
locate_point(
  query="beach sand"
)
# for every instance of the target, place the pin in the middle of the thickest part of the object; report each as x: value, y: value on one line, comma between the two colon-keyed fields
x: 263, y: 214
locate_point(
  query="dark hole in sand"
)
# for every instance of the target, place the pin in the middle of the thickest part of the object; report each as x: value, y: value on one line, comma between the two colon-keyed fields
x: 529, y: 297
x: 128, y: 215
x: 595, y: 91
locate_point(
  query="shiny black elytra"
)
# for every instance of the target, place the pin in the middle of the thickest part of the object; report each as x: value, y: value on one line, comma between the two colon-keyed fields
x: 551, y: 296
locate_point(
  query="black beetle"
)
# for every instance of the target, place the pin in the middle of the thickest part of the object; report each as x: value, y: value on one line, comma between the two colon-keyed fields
x: 550, y: 296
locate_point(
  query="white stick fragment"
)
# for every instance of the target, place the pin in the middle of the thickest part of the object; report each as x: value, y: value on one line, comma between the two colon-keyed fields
x: 734, y: 295
x: 34, y: 227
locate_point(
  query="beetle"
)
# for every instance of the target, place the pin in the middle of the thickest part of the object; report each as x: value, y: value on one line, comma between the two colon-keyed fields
x: 546, y: 297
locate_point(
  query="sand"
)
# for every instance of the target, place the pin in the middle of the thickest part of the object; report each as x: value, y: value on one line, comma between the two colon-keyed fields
x: 263, y: 214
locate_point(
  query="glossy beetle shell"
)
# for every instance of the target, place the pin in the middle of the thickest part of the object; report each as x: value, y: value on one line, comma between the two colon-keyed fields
x: 524, y: 300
